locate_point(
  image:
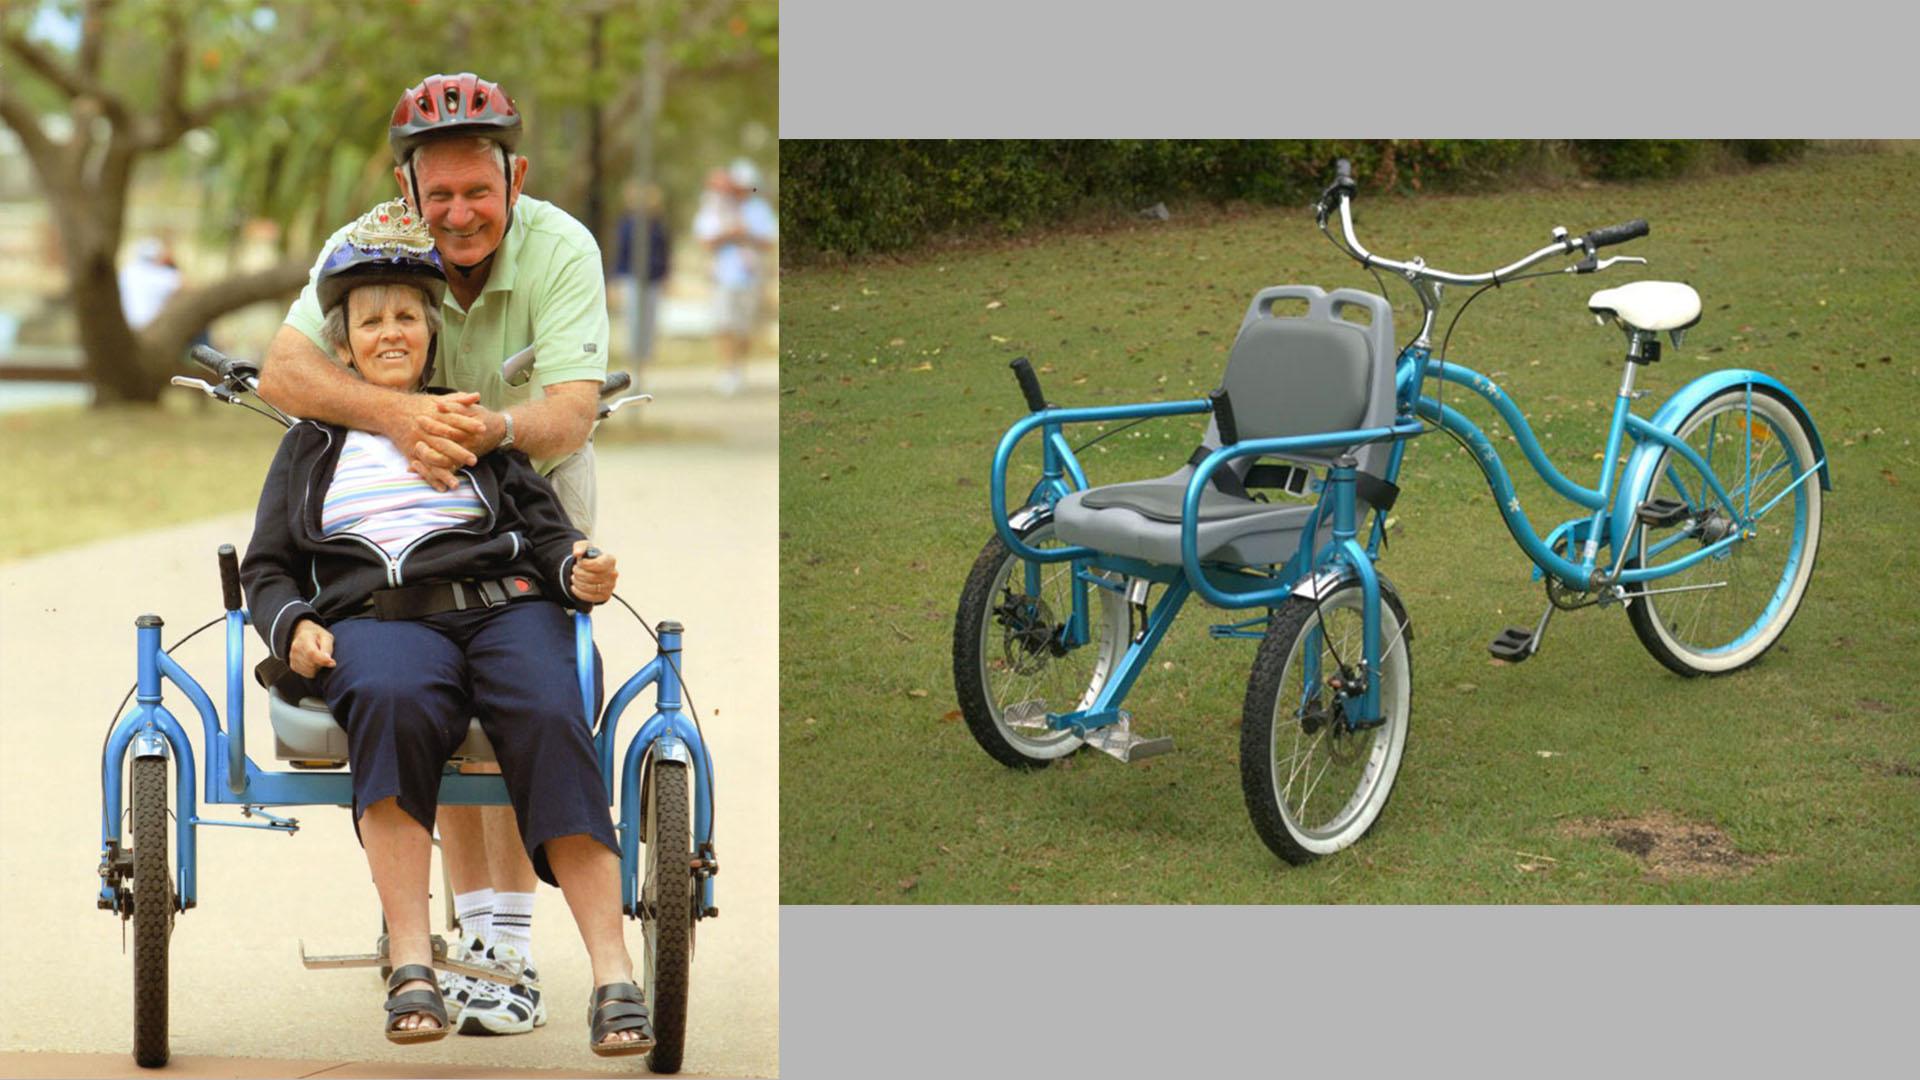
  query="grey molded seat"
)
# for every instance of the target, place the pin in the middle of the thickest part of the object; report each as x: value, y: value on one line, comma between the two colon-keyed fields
x: 306, y: 732
x: 1287, y: 375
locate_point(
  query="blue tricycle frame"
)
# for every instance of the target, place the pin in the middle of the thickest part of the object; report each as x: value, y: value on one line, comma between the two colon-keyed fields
x: 150, y: 731
x: 1239, y: 587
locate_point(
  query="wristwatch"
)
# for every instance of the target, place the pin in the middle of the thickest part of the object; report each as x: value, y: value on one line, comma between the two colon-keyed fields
x: 506, y: 441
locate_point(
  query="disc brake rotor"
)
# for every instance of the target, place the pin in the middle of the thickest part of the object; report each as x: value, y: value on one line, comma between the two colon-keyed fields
x: 1030, y: 632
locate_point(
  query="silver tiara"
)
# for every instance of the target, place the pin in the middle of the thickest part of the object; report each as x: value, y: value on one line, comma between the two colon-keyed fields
x: 391, y: 227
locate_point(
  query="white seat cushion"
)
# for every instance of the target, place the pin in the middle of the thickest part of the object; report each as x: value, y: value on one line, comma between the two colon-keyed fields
x: 307, y: 733
x: 1649, y: 305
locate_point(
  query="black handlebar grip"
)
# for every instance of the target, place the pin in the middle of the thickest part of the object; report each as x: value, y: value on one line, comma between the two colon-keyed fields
x: 210, y: 358
x: 1029, y: 383
x: 615, y: 383
x: 1617, y: 234
x: 1223, y: 417
x: 1343, y: 170
x: 230, y: 577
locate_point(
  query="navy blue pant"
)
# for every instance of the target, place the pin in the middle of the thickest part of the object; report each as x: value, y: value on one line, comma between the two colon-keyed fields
x: 405, y: 690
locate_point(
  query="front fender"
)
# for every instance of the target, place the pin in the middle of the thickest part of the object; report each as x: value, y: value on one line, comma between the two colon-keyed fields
x: 1637, y: 480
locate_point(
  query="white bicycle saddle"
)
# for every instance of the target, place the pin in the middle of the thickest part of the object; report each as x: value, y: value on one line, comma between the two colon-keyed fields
x: 1649, y: 305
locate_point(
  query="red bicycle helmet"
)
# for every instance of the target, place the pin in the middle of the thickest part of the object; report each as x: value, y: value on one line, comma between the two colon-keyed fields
x: 463, y: 104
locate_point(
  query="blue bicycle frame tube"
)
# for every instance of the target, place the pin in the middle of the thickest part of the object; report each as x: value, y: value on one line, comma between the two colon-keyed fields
x: 1292, y: 444
x: 1613, y: 517
x: 1103, y: 710
x: 1059, y: 456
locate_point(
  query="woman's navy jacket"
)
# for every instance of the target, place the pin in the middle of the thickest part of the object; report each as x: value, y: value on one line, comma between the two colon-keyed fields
x: 291, y: 571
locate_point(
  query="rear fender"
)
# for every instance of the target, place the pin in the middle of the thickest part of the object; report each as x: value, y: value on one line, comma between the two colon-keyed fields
x: 1637, y: 480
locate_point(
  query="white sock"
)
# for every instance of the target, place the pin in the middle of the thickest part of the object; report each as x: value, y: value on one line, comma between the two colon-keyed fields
x: 513, y: 922
x: 474, y: 911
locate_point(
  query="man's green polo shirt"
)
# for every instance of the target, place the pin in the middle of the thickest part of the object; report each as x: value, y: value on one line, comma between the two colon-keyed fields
x: 546, y: 290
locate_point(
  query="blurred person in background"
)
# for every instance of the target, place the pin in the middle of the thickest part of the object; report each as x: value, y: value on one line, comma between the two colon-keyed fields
x: 640, y: 294
x: 147, y: 282
x: 739, y: 228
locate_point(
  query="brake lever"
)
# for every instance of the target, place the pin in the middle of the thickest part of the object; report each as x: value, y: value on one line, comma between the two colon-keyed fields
x: 608, y: 410
x: 1591, y: 265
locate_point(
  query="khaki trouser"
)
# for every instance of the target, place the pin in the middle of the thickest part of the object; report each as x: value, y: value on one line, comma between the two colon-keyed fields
x: 573, y: 481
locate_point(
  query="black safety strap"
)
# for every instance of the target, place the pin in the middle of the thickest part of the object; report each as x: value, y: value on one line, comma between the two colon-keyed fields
x: 1294, y: 480
x: 274, y: 674
x: 419, y: 601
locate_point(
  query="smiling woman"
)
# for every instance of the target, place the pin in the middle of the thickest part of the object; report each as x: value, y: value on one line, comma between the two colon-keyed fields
x: 384, y: 332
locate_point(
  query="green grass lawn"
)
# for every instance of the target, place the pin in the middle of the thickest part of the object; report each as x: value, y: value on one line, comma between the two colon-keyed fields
x: 896, y: 392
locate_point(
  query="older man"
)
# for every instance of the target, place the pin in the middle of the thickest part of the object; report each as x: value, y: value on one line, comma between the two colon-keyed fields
x: 519, y: 272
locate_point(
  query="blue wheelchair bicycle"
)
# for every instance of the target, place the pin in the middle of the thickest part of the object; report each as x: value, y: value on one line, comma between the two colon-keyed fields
x: 1709, y: 534
x: 665, y: 791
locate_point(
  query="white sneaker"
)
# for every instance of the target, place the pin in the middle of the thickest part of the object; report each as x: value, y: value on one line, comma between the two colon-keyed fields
x: 495, y: 1009
x: 458, y: 989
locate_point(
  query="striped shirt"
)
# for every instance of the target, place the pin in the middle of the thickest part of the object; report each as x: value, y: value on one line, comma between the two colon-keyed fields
x: 374, y: 496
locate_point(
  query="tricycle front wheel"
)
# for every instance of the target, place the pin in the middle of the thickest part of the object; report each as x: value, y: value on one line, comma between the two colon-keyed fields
x: 667, y: 898
x: 153, y: 904
x: 1314, y: 783
x: 1012, y: 664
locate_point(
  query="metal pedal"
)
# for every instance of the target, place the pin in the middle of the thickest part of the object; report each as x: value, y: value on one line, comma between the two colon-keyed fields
x: 508, y: 974
x: 1514, y: 644
x: 1119, y: 740
x: 1660, y: 513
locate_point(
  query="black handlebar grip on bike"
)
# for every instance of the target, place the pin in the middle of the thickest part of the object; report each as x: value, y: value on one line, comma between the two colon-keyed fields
x: 1616, y: 234
x: 615, y: 383
x: 230, y: 577
x: 1223, y: 417
x: 1029, y: 383
x: 210, y: 358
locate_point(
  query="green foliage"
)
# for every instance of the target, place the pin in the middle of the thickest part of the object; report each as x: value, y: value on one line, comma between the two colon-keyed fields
x: 309, y: 152
x: 853, y: 198
x: 1639, y: 159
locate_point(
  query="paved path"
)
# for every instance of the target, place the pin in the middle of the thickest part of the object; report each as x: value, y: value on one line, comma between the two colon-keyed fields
x: 694, y: 525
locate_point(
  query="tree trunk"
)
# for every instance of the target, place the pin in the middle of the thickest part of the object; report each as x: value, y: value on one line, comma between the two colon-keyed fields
x: 112, y: 352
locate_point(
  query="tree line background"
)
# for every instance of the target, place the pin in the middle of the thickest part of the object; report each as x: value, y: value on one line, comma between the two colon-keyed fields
x: 276, y: 112
x: 851, y: 198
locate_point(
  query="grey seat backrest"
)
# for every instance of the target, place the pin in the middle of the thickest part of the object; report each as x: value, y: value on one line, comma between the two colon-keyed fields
x: 1300, y: 374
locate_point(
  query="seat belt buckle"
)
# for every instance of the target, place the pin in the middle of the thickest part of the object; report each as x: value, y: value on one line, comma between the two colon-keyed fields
x: 492, y: 592
x: 1299, y: 479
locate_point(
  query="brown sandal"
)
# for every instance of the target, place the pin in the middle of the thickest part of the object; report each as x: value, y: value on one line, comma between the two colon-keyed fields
x: 618, y: 1007
x: 415, y: 1002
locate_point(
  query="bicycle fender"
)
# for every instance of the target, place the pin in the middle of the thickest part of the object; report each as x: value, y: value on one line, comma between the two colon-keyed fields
x: 668, y: 747
x: 1637, y: 480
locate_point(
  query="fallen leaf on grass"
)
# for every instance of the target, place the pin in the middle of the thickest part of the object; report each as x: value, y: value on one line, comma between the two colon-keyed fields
x: 916, y: 693
x: 907, y: 884
x: 927, y: 366
x: 950, y: 716
x: 994, y: 305
x: 1550, y: 753
x: 996, y: 339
